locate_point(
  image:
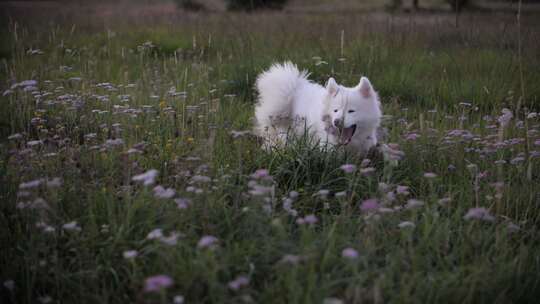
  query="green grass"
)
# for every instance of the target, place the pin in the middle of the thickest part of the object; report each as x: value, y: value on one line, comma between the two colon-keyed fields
x: 424, y: 72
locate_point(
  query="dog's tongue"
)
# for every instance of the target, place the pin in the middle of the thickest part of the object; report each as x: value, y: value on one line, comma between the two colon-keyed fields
x: 346, y: 135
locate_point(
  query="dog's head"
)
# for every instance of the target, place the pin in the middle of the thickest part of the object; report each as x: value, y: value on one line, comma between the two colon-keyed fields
x: 350, y: 109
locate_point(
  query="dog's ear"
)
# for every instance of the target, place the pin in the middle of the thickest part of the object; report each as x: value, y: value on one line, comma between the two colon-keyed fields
x: 365, y: 88
x: 332, y: 86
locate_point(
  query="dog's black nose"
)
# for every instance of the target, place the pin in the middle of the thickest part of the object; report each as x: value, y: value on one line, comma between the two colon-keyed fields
x: 338, y: 123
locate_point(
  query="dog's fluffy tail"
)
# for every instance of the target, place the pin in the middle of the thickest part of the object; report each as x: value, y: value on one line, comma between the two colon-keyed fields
x: 276, y: 88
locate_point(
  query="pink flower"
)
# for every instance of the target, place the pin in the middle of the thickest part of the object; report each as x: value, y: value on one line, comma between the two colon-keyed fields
x: 369, y: 205
x: 348, y: 168
x: 157, y: 283
x: 349, y: 253
x: 479, y: 214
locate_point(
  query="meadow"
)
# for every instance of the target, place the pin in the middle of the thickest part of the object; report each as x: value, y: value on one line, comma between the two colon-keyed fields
x: 128, y: 173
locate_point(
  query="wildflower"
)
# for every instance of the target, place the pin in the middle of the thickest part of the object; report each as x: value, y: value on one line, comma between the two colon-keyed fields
x: 291, y: 259
x: 111, y: 143
x: 406, y: 224
x: 402, y: 190
x: 323, y: 193
x: 349, y: 253
x: 511, y: 227
x: 31, y: 184
x: 200, y: 179
x: 130, y: 254
x: 430, y: 175
x: 444, y: 201
x: 170, y: 240
x: 369, y: 205
x: 348, y: 168
x: 332, y: 301
x: 367, y: 170
x: 207, y: 241
x: 365, y: 162
x: 414, y: 203
x: 15, y: 136
x: 148, y: 178
x: 45, y: 299
x: 72, y: 226
x: 308, y: 219
x: 161, y: 192
x: 505, y: 118
x: 9, y: 284
x: 155, y: 234
x: 182, y: 203
x: 340, y: 194
x: 517, y: 160
x: 178, y: 299
x: 54, y: 183
x: 479, y: 213
x: 412, y: 136
x: 260, y: 173
x: 238, y: 283
x: 157, y: 283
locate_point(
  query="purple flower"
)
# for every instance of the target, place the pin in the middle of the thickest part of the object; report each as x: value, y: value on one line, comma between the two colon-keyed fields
x: 182, y: 203
x: 157, y: 283
x: 260, y: 173
x: 348, y: 168
x: 238, y: 283
x: 403, y: 190
x: 349, y: 253
x: 130, y: 254
x: 412, y: 136
x: 370, y: 205
x: 505, y: 118
x: 147, y: 178
x: 479, y: 213
x: 308, y: 219
x: 414, y: 203
x: 207, y: 241
x: 160, y: 192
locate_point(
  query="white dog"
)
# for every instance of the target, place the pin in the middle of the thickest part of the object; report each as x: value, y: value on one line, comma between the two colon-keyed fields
x: 337, y: 115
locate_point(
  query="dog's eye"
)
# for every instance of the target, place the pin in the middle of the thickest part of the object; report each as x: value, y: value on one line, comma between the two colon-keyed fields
x: 335, y: 111
x: 351, y: 111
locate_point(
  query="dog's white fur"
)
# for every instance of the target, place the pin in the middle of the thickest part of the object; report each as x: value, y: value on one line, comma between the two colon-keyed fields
x: 288, y: 101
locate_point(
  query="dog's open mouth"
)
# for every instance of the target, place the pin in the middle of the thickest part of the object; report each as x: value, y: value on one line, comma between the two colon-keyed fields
x: 346, y: 134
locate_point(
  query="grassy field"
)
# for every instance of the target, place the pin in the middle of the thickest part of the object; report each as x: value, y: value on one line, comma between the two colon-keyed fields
x: 126, y: 177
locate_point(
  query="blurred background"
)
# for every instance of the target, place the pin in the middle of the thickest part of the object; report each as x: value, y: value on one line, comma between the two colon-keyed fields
x: 153, y: 8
